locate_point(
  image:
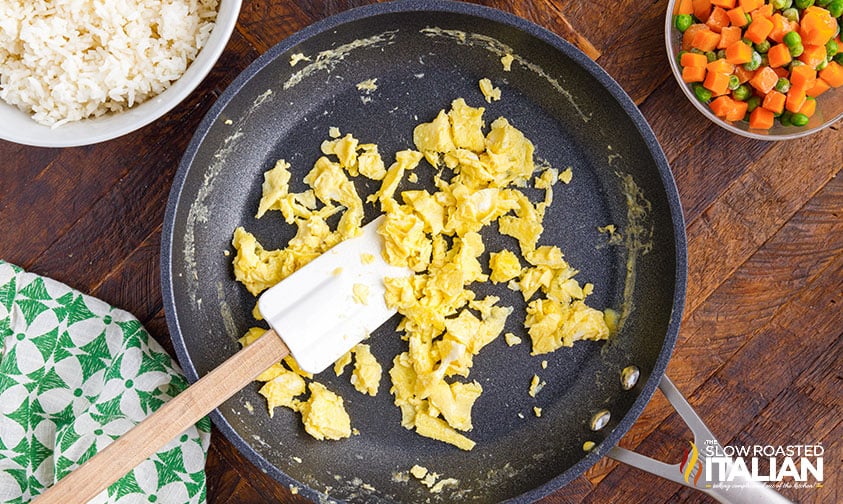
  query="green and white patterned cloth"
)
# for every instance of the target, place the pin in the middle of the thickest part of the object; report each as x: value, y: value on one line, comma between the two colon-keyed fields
x: 75, y: 374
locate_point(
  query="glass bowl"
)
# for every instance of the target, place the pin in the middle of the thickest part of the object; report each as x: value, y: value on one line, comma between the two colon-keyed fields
x: 829, y: 104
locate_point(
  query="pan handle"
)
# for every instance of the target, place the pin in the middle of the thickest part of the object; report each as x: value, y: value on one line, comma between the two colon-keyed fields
x: 738, y: 490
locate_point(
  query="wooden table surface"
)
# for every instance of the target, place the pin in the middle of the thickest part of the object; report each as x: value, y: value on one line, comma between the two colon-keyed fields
x: 759, y: 355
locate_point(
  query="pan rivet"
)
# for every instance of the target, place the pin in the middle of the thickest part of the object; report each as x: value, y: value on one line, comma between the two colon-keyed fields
x: 588, y: 446
x: 600, y: 419
x: 629, y: 377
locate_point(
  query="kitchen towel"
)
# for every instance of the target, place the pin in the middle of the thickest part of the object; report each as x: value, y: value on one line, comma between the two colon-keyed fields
x: 75, y: 374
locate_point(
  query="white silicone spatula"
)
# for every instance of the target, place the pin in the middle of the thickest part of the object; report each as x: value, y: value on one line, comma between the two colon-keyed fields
x: 320, y: 312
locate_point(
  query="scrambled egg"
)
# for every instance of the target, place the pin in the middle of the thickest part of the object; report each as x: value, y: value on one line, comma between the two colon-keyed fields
x: 489, y: 91
x: 506, y: 61
x: 536, y: 385
x: 437, y: 235
x: 366, y: 376
x: 511, y: 339
x: 323, y: 414
x: 504, y: 265
x: 429, y: 479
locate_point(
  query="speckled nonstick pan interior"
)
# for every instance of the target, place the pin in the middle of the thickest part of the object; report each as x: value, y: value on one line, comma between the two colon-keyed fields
x: 424, y: 55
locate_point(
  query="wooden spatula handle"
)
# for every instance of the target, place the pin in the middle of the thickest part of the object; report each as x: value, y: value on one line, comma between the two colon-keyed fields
x: 176, y: 416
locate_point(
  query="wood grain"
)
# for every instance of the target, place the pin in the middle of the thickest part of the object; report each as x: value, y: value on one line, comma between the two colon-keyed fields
x: 760, y: 352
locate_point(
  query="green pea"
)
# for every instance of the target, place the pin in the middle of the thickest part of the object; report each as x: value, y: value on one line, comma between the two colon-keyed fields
x: 710, y: 56
x: 782, y: 85
x: 753, y: 103
x: 763, y: 47
x: 721, y: 54
x: 838, y: 58
x: 799, y: 119
x: 742, y: 92
x: 754, y: 63
x: 792, y: 38
x: 782, y: 4
x: 702, y: 94
x: 822, y: 3
x: 682, y: 22
x: 831, y: 48
x: 796, y: 50
x: 835, y: 8
x: 822, y: 65
x: 696, y: 51
x: 791, y: 14
x: 803, y: 4
x: 786, y: 118
x: 734, y: 82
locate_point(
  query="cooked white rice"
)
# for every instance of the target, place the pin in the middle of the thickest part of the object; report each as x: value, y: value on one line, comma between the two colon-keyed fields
x: 65, y: 60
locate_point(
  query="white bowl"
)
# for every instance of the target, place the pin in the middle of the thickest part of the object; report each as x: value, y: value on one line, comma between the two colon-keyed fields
x: 17, y: 126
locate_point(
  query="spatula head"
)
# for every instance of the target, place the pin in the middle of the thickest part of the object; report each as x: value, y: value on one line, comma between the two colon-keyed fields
x: 332, y: 303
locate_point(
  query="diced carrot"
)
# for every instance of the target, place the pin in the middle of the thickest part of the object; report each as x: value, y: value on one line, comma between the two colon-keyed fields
x: 702, y: 8
x: 813, y: 55
x: 717, y: 83
x: 720, y: 66
x: 683, y: 7
x: 782, y: 72
x: 738, y: 110
x: 758, y: 29
x: 737, y: 16
x: 778, y: 55
x: 774, y: 101
x: 720, y: 106
x: 750, y: 5
x: 765, y: 11
x: 764, y: 80
x: 817, y: 9
x: 817, y: 27
x: 743, y: 74
x: 809, y: 108
x: 717, y: 20
x: 795, y: 98
x: 690, y: 33
x: 690, y: 59
x: 803, y: 76
x: 725, y: 4
x: 728, y: 36
x: 693, y: 73
x: 781, y: 27
x: 738, y: 53
x: 820, y: 87
x: 832, y: 74
x: 761, y: 118
x: 705, y: 40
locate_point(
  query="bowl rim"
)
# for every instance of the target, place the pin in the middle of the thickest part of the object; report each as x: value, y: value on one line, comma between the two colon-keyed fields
x: 20, y: 128
x: 703, y: 108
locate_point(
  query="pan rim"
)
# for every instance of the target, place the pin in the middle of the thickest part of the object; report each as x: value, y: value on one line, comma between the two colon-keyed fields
x: 457, y: 8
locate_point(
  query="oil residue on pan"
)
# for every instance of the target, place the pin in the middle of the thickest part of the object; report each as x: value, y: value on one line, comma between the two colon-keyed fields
x: 570, y: 109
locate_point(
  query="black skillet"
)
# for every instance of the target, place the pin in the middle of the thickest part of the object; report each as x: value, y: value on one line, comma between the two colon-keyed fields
x: 424, y: 54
